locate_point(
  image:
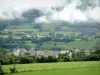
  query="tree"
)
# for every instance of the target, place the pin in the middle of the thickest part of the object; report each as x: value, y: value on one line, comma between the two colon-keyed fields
x: 64, y: 57
x: 38, y: 26
x: 51, y: 34
x: 80, y: 55
x: 96, y: 51
x: 3, y: 24
x: 51, y: 59
x: 26, y: 58
x: 41, y: 59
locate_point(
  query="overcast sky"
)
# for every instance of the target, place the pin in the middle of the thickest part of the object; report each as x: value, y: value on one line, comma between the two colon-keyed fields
x: 29, y: 3
x: 71, y: 13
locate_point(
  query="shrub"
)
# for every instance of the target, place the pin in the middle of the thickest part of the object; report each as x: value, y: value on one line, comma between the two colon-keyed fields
x: 13, y: 69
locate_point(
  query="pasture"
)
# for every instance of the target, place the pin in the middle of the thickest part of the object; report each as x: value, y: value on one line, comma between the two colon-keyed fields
x: 70, y: 45
x: 61, y: 68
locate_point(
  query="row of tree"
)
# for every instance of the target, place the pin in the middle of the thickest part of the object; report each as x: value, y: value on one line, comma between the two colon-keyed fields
x: 9, y: 42
x: 28, y: 58
x: 81, y: 55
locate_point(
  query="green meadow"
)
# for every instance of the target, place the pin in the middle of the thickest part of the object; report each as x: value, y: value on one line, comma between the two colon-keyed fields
x: 70, y: 45
x: 61, y: 68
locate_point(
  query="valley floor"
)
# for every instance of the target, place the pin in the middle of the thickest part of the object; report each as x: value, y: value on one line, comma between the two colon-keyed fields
x: 67, y: 68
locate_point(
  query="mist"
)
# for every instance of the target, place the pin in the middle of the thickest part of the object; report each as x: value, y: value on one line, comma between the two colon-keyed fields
x: 72, y: 10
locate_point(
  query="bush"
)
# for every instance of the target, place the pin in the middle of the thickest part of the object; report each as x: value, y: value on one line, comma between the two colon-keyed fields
x: 66, y: 59
x: 13, y: 69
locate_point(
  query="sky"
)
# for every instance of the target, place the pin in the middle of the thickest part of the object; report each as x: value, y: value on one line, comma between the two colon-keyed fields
x: 71, y: 13
x: 23, y: 4
x: 7, y: 7
x: 11, y: 8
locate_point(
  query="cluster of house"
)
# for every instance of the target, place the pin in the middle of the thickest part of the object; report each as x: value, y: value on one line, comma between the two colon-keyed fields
x: 55, y: 53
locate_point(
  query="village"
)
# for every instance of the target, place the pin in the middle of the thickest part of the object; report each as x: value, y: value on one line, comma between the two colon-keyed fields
x: 21, y: 51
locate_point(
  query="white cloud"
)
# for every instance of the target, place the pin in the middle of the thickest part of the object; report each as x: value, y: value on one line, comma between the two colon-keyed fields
x: 93, y: 14
x: 42, y: 19
x: 71, y: 13
x: 19, y: 6
x: 14, y: 8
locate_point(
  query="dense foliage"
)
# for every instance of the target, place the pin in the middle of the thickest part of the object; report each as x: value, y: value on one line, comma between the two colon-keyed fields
x: 62, y: 57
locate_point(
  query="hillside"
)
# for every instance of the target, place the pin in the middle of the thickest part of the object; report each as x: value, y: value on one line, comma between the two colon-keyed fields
x: 48, y: 36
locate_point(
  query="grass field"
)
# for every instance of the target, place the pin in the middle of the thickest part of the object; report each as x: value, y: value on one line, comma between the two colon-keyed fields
x: 77, y: 71
x: 70, y: 68
x: 30, y: 44
x: 69, y: 45
x: 65, y: 30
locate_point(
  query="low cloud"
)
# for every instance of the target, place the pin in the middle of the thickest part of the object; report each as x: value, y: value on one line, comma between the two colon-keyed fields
x: 42, y: 19
x: 93, y: 14
x: 14, y: 8
x: 70, y: 11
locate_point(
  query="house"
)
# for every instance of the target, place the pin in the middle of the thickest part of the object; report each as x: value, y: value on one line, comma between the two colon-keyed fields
x: 21, y: 51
